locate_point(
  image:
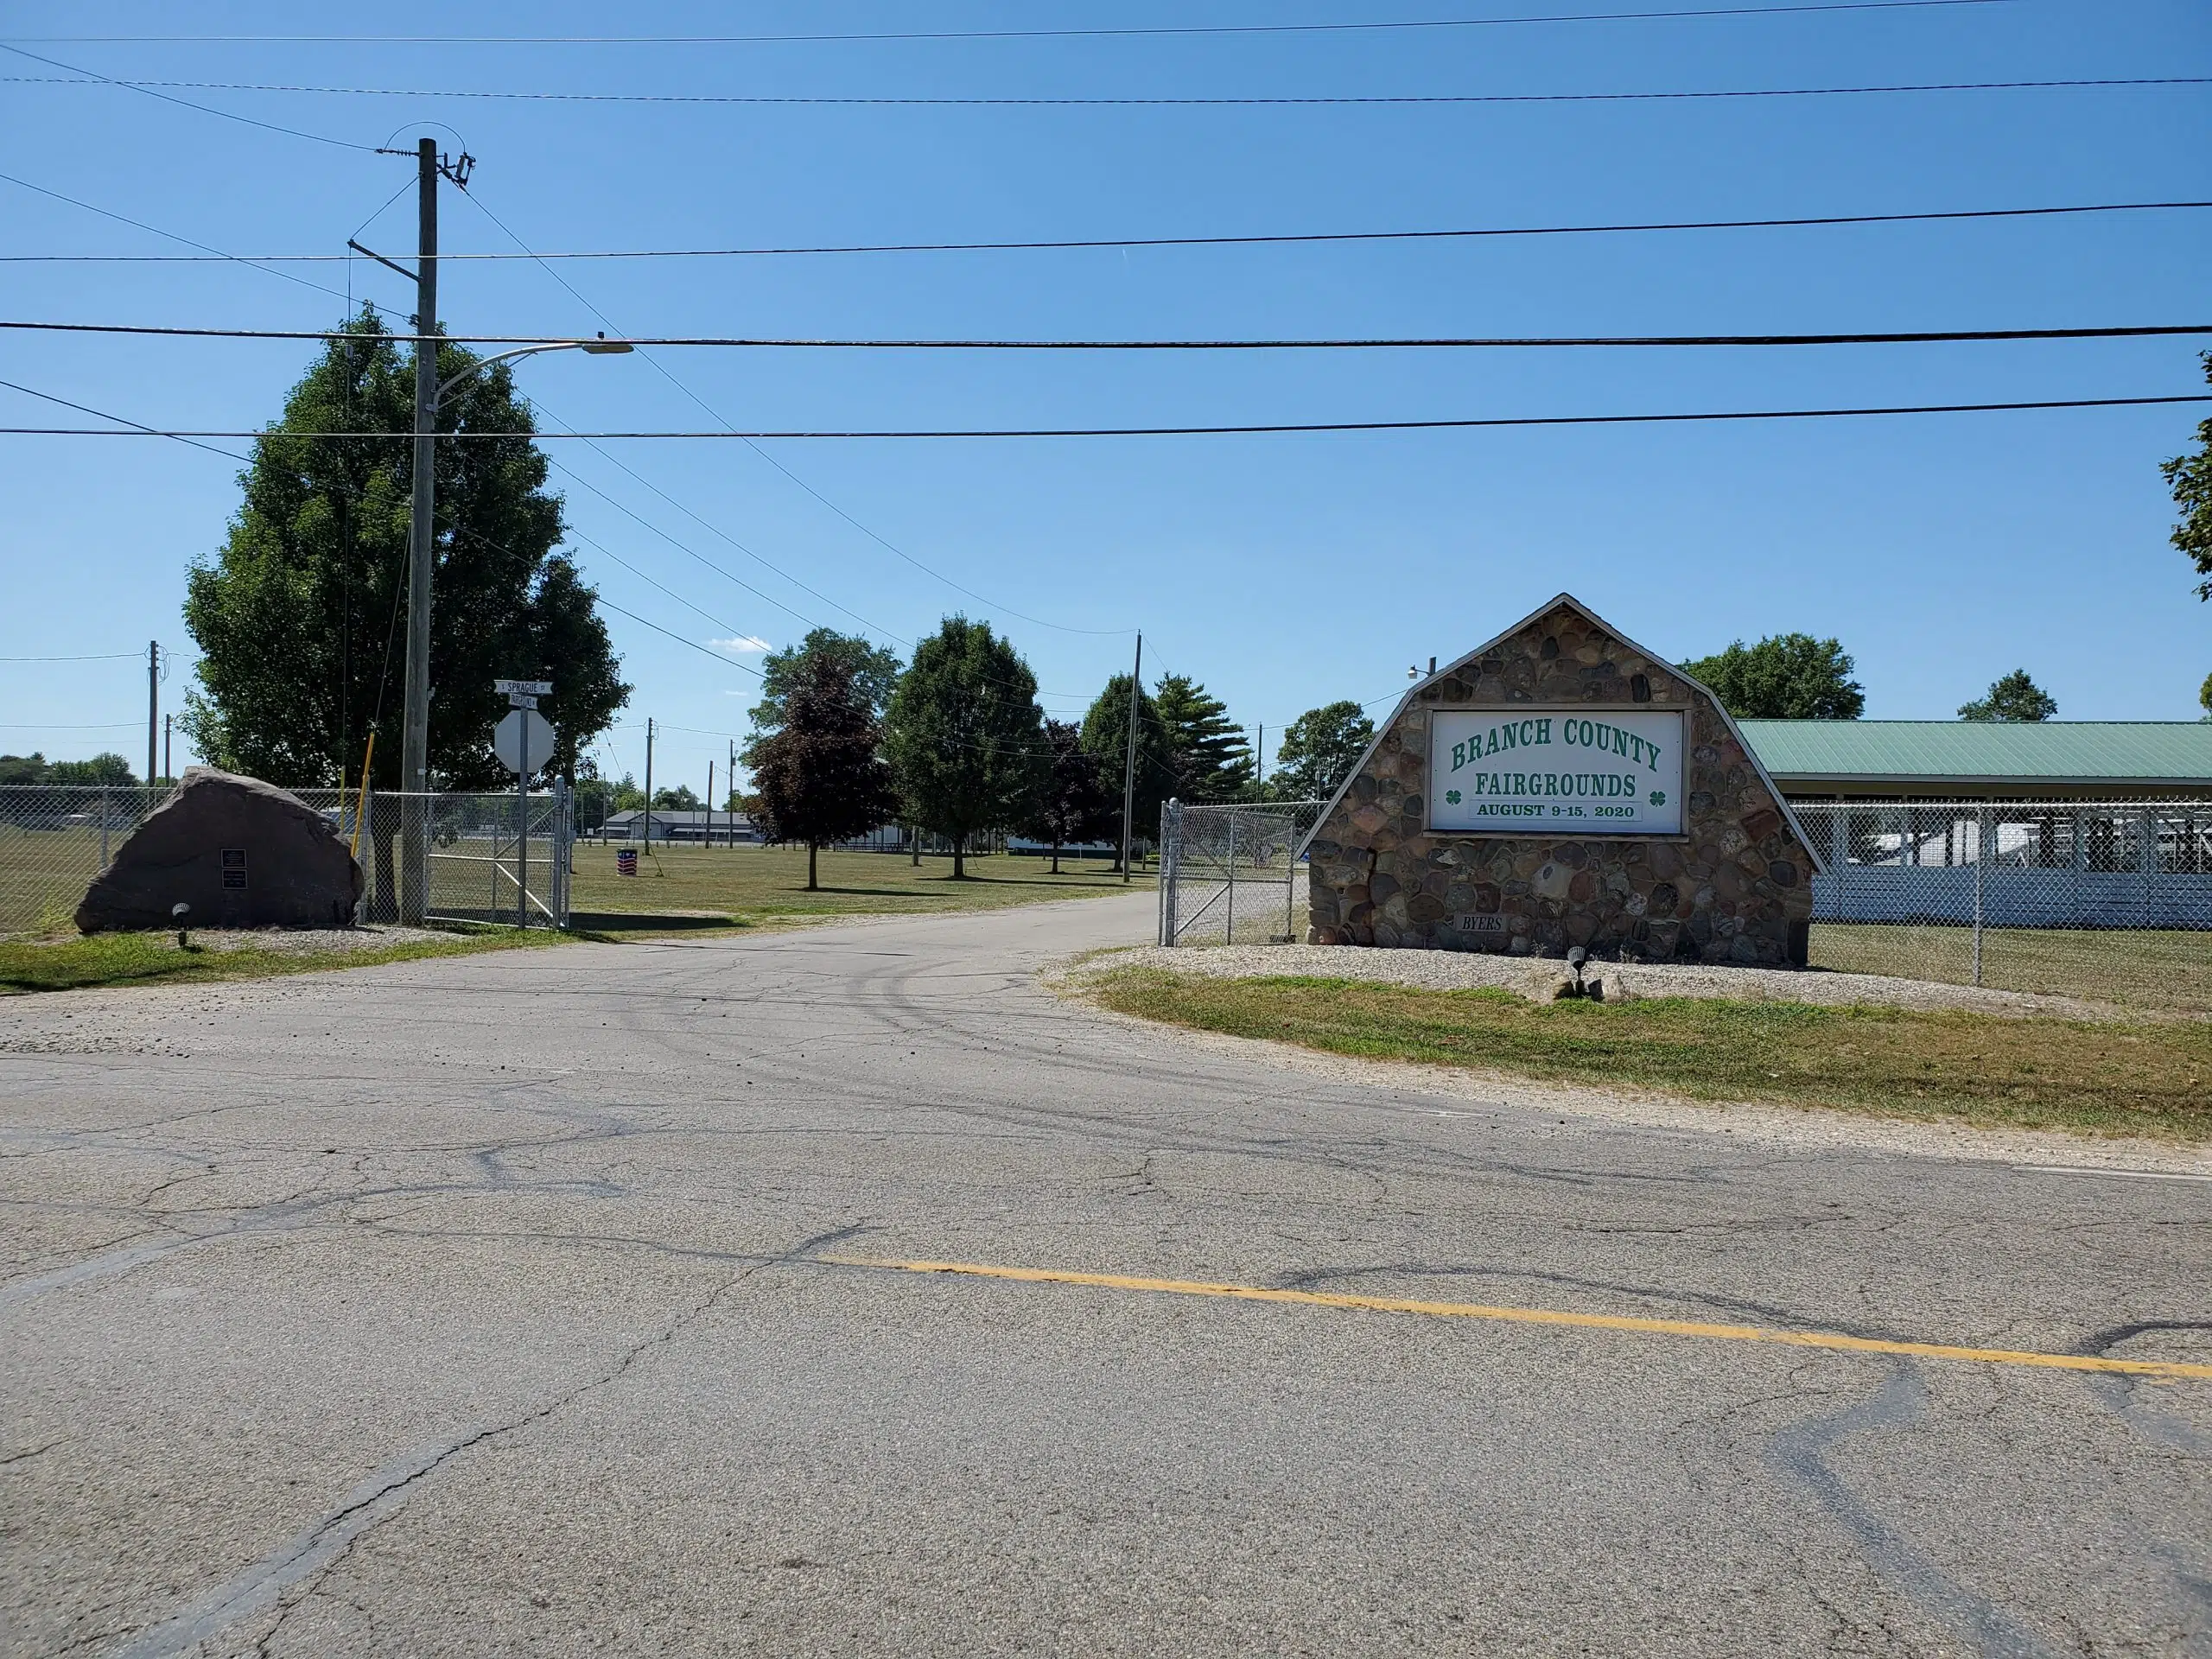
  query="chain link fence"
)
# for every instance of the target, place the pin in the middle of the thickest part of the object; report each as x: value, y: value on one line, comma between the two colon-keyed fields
x: 2110, y: 901
x: 1230, y: 874
x: 486, y: 857
x: 2106, y: 900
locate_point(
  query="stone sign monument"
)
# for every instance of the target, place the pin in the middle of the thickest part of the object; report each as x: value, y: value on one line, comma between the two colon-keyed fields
x: 1562, y: 786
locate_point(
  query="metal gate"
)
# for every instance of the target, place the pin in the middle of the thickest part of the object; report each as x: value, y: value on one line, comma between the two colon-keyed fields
x: 1230, y: 874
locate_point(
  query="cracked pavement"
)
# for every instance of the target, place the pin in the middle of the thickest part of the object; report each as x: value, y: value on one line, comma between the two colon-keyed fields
x: 481, y: 1306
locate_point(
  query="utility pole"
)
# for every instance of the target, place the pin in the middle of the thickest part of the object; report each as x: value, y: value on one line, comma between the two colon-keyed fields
x: 422, y: 540
x: 649, y: 784
x: 733, y: 794
x: 709, y: 839
x: 1129, y: 762
x: 153, y: 702
x: 1259, y: 757
x: 168, y: 721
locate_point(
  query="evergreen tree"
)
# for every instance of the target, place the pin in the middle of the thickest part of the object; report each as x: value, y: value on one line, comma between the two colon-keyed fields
x: 819, y: 777
x: 2014, y: 700
x: 1208, y: 752
x: 1106, y: 735
x: 1076, y: 804
x: 1785, y: 676
x: 1319, y: 750
x: 965, y: 737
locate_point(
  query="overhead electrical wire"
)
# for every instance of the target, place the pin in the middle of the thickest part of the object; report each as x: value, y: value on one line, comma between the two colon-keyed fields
x: 211, y: 253
x: 1262, y: 239
x: 849, y: 101
x: 1669, y: 418
x: 1894, y: 337
x: 94, y: 77
x: 881, y: 540
x: 1120, y: 33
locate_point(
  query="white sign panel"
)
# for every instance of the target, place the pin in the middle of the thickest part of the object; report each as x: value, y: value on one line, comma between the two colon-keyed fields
x: 506, y: 740
x: 1499, y: 771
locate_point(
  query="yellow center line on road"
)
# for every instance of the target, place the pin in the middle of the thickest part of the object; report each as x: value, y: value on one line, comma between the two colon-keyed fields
x: 2164, y: 1367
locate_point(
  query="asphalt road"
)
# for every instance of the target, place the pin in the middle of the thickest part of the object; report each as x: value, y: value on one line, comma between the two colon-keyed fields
x: 519, y: 1304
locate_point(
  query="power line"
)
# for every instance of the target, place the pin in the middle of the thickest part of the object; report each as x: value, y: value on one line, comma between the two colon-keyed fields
x: 135, y: 223
x: 749, y: 99
x: 1433, y: 24
x: 725, y: 661
x: 881, y: 540
x: 1894, y: 337
x: 1078, y: 242
x: 93, y: 77
x: 101, y: 413
x: 1257, y: 428
x: 96, y: 656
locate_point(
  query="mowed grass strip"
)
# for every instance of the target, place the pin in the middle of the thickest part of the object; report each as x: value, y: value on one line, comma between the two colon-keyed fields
x: 69, y: 964
x: 2168, y: 970
x: 749, y: 886
x: 2094, y: 1077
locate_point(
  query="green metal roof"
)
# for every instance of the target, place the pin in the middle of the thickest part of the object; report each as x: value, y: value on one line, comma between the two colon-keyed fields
x: 2135, y: 752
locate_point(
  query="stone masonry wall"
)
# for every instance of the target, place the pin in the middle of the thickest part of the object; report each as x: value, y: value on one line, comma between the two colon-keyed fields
x: 1737, y: 886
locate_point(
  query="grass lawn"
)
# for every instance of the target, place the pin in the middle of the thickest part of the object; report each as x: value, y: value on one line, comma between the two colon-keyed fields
x: 2171, y: 971
x: 694, y: 888
x: 74, y: 963
x: 2090, y: 1077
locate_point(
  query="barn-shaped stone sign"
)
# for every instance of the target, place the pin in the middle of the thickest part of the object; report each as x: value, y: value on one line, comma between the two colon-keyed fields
x: 1563, y: 786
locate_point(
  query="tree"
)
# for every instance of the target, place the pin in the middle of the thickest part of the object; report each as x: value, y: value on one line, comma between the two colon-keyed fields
x: 874, y: 672
x: 111, y: 769
x: 2190, y: 478
x: 1208, y: 754
x: 965, y: 736
x: 299, y: 614
x: 2203, y: 698
x: 2014, y: 700
x: 676, y: 798
x: 1319, y: 750
x: 1076, y: 804
x: 1106, y: 735
x: 1785, y: 676
x: 22, y: 768
x: 820, y: 778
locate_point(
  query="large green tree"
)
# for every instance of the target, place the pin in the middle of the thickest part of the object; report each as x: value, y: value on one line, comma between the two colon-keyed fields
x: 2013, y: 700
x: 1785, y: 676
x: 1319, y: 750
x: 965, y: 737
x: 873, y: 669
x: 2190, y: 477
x: 1208, y: 751
x: 300, y: 616
x: 1106, y: 735
x: 820, y: 777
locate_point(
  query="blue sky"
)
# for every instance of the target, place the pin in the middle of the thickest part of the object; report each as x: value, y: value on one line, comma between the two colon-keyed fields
x: 1284, y: 571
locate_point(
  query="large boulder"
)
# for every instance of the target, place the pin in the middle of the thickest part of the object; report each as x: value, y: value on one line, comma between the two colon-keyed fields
x: 240, y: 852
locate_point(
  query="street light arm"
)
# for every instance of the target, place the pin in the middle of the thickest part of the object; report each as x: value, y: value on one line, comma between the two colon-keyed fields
x: 595, y: 346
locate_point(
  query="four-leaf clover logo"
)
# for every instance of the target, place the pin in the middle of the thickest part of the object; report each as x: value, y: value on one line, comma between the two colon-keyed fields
x: 1453, y: 796
x: 1658, y: 798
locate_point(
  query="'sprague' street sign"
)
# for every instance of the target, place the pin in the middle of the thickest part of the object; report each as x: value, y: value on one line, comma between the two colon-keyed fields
x: 1517, y: 771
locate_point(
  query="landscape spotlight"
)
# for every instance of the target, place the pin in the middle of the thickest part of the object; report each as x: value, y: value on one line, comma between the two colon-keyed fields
x: 177, y: 913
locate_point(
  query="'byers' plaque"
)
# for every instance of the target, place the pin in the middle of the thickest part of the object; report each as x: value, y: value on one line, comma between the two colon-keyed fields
x: 1495, y: 772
